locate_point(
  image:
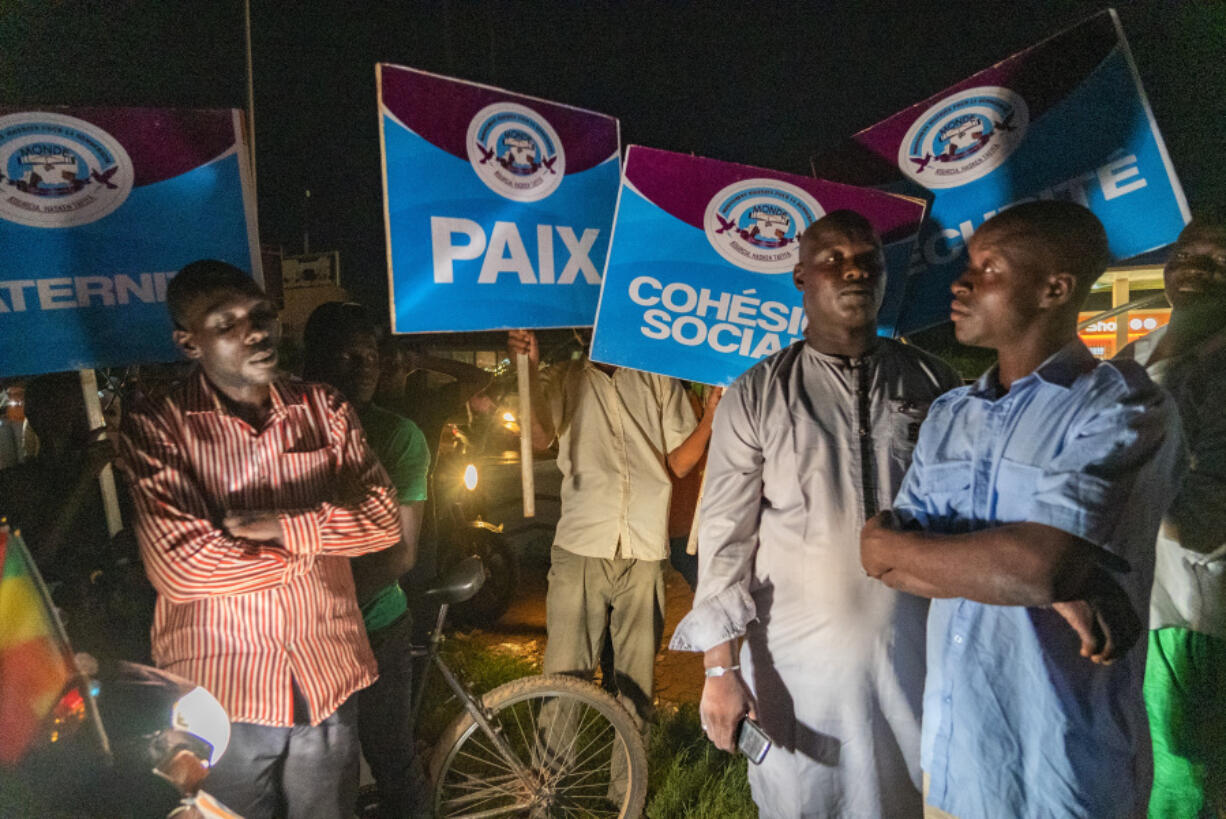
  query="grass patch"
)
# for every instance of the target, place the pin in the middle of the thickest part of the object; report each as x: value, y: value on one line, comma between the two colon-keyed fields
x: 688, y: 777
x: 484, y: 669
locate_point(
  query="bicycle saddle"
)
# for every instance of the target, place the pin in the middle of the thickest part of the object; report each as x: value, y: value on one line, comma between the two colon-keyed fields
x: 461, y: 583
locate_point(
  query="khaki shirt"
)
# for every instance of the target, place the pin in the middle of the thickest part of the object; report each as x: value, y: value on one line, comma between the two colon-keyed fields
x: 614, y: 436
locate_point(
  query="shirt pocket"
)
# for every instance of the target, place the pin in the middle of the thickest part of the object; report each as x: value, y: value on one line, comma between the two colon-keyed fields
x: 307, y: 475
x: 1016, y: 487
x: 905, y: 418
x: 946, y: 490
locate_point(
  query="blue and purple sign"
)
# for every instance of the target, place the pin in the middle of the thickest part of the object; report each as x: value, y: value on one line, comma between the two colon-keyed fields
x: 498, y: 207
x: 1065, y: 119
x: 699, y: 278
x: 99, y: 207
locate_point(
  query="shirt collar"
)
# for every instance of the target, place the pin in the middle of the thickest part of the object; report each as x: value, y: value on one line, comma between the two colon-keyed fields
x: 202, y: 396
x: 841, y: 360
x: 1061, y: 369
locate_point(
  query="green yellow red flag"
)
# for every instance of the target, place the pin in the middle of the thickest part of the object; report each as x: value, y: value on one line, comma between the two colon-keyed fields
x: 36, y: 662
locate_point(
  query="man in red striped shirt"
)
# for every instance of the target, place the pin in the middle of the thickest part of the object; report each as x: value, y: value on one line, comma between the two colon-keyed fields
x: 251, y: 493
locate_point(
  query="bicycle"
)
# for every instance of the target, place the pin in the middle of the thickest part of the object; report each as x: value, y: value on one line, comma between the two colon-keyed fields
x: 544, y: 746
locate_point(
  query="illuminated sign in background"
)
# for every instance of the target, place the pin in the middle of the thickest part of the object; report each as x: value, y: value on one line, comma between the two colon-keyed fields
x: 1101, y: 335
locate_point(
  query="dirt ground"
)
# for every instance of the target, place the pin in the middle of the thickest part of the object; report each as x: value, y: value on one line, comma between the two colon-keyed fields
x: 522, y: 631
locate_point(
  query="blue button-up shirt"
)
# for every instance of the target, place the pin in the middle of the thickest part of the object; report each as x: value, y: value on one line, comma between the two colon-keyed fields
x: 1016, y: 723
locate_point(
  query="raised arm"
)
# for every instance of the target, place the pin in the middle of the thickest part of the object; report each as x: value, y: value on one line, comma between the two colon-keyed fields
x: 683, y: 459
x: 543, y: 431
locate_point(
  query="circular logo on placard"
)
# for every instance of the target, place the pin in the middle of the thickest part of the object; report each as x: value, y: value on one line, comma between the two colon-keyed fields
x: 515, y: 152
x: 58, y: 171
x: 756, y: 224
x: 964, y: 137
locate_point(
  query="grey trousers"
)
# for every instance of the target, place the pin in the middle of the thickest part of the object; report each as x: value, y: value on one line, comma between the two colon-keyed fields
x: 299, y: 772
x: 589, y: 597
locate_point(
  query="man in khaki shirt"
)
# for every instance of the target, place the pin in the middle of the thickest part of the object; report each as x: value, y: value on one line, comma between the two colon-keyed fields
x: 620, y: 432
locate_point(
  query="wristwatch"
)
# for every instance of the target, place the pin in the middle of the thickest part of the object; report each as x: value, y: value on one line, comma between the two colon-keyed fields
x: 720, y: 670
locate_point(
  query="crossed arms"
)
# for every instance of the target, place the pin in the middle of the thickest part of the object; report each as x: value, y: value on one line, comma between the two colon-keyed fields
x: 188, y: 554
x: 1017, y: 564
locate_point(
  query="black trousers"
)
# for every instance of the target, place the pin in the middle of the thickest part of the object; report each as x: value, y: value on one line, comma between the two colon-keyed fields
x: 385, y: 721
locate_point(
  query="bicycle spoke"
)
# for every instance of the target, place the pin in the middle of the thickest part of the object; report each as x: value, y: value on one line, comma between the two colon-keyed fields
x: 596, y: 754
x: 489, y: 798
x: 598, y: 733
x: 566, y: 753
x: 494, y: 812
x: 474, y: 783
x: 560, y: 749
x: 583, y: 755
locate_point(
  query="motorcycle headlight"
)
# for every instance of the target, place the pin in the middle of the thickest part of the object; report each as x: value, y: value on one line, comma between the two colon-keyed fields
x: 199, y: 713
x: 470, y: 477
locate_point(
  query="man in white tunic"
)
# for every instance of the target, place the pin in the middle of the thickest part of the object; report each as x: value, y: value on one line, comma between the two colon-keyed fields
x: 806, y: 446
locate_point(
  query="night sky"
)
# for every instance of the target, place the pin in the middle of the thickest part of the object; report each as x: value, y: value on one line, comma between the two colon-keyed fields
x: 768, y: 84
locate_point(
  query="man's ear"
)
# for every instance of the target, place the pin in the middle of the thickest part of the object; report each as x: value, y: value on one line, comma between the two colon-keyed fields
x: 798, y: 277
x: 183, y: 340
x: 1059, y: 290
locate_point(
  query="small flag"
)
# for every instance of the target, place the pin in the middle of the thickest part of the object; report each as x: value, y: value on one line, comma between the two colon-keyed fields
x: 35, y: 660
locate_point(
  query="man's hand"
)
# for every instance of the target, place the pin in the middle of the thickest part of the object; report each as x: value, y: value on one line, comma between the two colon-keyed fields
x: 1105, y: 622
x: 711, y: 400
x: 875, y: 541
x: 99, y: 454
x: 523, y: 342
x: 725, y: 700
x: 258, y: 526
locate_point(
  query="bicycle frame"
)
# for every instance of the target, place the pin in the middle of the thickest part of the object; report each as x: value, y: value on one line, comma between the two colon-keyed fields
x: 471, y: 702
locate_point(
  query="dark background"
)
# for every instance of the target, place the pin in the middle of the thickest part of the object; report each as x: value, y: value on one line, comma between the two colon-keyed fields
x: 768, y: 84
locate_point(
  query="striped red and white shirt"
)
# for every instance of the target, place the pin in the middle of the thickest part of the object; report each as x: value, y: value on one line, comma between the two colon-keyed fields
x: 241, y: 622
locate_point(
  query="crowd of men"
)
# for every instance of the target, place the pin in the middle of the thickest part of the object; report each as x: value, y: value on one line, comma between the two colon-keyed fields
x: 931, y: 597
x: 937, y: 591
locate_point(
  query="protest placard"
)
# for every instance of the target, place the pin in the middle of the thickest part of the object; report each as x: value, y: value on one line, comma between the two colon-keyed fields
x: 699, y: 278
x: 1064, y: 119
x: 99, y: 207
x: 497, y: 206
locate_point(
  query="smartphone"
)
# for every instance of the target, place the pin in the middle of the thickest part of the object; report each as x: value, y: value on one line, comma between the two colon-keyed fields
x: 752, y: 741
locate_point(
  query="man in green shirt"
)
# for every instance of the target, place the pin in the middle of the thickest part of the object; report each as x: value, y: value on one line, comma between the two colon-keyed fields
x: 1185, y: 670
x: 341, y: 349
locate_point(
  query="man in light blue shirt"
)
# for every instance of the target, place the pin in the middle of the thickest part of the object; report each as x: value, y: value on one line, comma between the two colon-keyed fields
x: 1031, y: 505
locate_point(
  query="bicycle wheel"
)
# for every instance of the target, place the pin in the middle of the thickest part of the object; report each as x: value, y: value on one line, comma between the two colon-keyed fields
x: 577, y: 753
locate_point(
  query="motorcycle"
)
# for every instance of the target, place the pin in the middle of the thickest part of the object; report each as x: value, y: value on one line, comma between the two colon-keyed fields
x: 458, y: 527
x: 119, y: 739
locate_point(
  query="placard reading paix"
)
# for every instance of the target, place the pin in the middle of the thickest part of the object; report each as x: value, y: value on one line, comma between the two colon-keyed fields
x: 498, y: 206
x: 699, y: 278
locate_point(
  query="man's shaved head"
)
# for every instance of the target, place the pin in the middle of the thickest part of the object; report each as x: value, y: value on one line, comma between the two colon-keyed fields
x: 201, y: 281
x: 1056, y: 236
x: 841, y: 224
